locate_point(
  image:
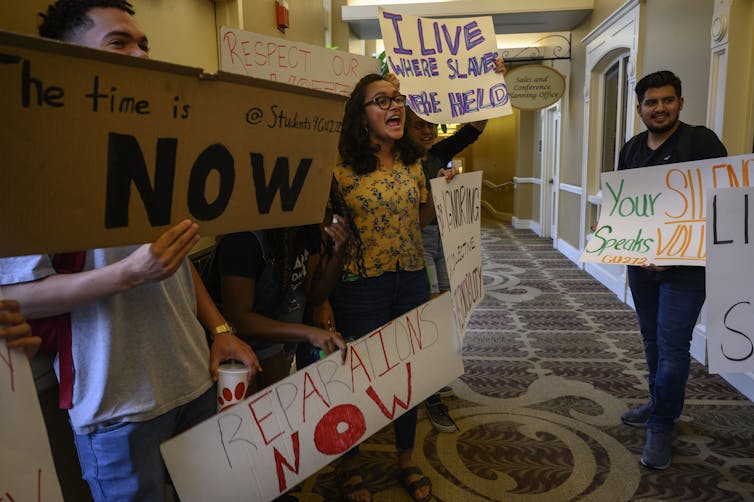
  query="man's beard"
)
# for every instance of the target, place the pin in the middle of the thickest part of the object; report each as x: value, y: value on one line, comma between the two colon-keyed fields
x: 661, y: 129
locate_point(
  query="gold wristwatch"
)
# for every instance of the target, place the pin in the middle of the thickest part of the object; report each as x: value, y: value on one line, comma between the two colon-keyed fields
x: 222, y: 328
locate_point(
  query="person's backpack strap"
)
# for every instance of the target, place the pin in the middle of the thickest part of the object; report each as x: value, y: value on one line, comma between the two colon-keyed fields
x: 55, y: 331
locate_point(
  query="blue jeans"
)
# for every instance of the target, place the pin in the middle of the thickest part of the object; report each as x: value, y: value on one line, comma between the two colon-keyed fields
x: 668, y: 305
x: 123, y: 461
x: 434, y: 259
x: 364, y: 305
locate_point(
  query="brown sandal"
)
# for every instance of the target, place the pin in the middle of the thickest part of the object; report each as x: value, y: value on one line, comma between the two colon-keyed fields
x: 412, y: 487
x: 347, y: 489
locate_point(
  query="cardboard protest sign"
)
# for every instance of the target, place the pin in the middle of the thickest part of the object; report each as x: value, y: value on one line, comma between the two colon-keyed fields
x: 458, y: 207
x: 730, y: 298
x: 446, y: 67
x: 656, y: 215
x: 294, y: 63
x: 101, y: 149
x: 27, y: 471
x: 275, y: 439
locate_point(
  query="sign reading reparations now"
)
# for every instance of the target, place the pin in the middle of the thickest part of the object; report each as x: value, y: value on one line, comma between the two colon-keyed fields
x: 275, y: 439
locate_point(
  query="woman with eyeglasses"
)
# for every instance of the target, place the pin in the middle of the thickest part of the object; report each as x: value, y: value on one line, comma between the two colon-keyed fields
x: 380, y: 187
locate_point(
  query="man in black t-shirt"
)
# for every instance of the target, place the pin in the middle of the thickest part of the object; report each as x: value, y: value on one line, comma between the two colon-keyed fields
x: 667, y: 299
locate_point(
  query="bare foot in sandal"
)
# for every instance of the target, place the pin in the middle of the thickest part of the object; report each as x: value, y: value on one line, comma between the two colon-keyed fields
x: 417, y: 485
x: 352, y: 485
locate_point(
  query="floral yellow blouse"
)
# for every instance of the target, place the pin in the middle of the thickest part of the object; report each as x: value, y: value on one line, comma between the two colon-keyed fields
x: 384, y: 205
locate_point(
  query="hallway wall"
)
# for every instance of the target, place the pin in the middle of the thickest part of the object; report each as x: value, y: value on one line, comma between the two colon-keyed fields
x: 495, y: 154
x: 569, y: 223
x: 684, y: 52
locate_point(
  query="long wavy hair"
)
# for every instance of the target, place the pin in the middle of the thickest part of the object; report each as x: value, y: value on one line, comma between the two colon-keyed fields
x: 354, y: 146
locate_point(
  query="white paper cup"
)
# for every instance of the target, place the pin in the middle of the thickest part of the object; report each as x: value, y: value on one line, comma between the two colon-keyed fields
x: 232, y: 383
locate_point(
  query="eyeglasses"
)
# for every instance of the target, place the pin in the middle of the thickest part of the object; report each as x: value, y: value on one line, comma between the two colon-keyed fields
x: 384, y: 102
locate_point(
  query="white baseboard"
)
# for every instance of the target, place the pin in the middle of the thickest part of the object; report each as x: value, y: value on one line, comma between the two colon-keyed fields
x: 570, y: 252
x: 532, y: 225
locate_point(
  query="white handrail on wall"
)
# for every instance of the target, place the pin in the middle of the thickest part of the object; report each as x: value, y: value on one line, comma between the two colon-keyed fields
x: 502, y: 187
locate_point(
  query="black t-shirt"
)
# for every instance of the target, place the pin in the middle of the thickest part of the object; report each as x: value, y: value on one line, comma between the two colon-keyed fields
x: 443, y: 151
x: 241, y: 253
x: 685, y: 144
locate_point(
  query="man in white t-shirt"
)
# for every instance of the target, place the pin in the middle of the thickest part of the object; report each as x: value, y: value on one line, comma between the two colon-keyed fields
x: 143, y: 369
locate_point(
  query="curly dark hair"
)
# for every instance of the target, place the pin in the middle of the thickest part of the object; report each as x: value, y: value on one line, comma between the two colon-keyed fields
x: 65, y: 19
x: 354, y: 146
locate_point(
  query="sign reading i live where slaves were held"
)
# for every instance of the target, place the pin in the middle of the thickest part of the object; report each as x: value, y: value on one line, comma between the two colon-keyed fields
x: 458, y: 207
x: 27, y: 471
x: 656, y: 215
x: 294, y: 63
x: 270, y: 442
x: 446, y: 67
x: 730, y: 297
x: 101, y: 149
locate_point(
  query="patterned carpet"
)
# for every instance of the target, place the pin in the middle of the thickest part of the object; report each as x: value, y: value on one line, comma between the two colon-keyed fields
x: 552, y: 359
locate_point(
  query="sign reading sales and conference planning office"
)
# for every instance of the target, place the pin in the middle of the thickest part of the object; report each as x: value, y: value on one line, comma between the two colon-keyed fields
x: 446, y: 67
x: 102, y: 149
x: 273, y: 440
x: 656, y: 215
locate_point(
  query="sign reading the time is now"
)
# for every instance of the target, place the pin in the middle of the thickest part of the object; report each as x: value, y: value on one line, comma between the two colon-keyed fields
x: 533, y: 87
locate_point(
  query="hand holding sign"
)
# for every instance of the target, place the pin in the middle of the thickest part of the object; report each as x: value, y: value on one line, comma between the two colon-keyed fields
x: 15, y: 330
x: 159, y: 260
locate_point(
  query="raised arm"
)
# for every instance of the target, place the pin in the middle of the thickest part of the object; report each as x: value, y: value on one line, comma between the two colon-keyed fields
x: 59, y: 293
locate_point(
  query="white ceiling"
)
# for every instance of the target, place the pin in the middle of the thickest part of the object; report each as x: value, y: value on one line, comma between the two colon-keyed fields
x: 508, y: 16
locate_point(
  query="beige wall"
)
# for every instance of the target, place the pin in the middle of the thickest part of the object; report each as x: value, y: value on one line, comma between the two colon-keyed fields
x: 307, y: 20
x: 738, y: 129
x: 573, y: 125
x: 179, y: 31
x: 495, y: 154
x: 684, y: 51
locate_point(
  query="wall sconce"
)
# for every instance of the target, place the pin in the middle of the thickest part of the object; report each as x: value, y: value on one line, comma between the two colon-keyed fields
x: 281, y: 14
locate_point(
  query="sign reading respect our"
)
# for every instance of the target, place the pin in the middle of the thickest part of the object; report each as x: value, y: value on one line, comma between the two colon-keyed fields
x: 656, y: 215
x: 730, y: 299
x: 446, y: 67
x: 458, y: 208
x: 273, y: 440
x: 294, y: 63
x: 101, y: 149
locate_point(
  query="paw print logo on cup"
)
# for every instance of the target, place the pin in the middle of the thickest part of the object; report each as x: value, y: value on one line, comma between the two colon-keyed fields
x: 232, y: 383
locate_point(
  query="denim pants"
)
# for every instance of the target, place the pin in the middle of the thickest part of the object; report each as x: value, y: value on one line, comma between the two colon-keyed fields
x: 364, y: 305
x: 668, y: 305
x: 434, y: 259
x: 123, y: 461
